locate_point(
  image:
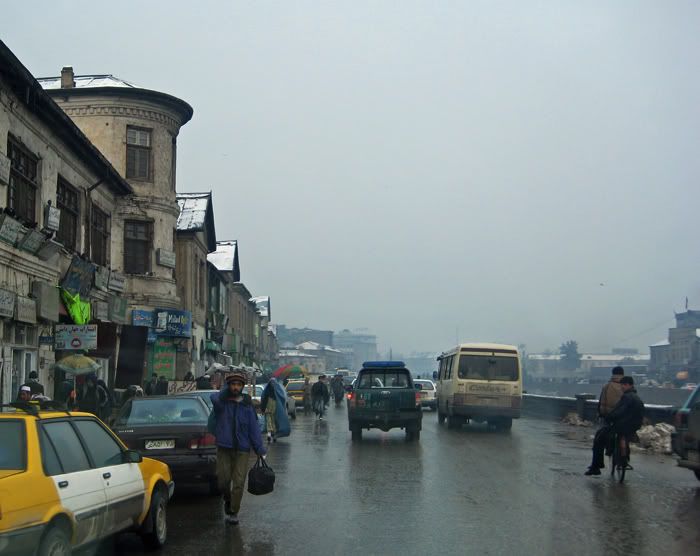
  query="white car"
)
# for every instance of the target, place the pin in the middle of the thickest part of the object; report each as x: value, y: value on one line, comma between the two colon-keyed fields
x: 288, y: 400
x: 428, y: 396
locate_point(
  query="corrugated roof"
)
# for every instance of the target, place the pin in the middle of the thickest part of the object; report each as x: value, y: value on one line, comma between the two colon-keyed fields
x: 87, y: 81
x: 193, y: 210
x: 262, y: 304
x: 225, y: 258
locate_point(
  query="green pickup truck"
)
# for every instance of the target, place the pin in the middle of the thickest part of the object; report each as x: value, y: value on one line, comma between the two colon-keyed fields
x: 384, y: 397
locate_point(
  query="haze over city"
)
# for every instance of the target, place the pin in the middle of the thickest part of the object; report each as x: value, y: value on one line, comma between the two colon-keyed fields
x: 508, y: 172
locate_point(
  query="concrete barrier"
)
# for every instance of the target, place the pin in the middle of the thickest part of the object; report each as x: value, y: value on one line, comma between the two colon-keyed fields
x: 555, y: 407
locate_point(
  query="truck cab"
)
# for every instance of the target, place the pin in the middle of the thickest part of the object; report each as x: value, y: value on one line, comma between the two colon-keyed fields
x: 385, y: 397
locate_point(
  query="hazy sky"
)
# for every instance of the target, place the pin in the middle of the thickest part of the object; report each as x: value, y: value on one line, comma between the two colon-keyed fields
x: 423, y: 168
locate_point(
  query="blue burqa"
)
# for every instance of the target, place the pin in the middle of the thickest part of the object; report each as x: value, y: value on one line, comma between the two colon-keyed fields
x: 281, y: 418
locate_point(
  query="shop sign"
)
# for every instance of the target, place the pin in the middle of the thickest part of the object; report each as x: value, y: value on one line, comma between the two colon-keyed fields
x: 171, y: 322
x: 52, y: 218
x: 163, y: 358
x: 48, y: 250
x: 117, y: 282
x: 100, y: 311
x: 47, y: 300
x: 46, y: 340
x: 76, y: 336
x: 78, y: 279
x: 7, y: 304
x: 117, y: 309
x: 5, y: 164
x: 139, y: 317
x: 32, y: 241
x: 101, y: 278
x: 25, y: 310
x: 165, y: 258
x: 10, y: 229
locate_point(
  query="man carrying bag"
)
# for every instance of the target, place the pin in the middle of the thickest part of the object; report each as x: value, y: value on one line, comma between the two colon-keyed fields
x: 235, y: 426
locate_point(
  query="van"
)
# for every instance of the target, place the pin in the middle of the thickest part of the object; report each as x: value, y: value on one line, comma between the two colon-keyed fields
x: 480, y: 382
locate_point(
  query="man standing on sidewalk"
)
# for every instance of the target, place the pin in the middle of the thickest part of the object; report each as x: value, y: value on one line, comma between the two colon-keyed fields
x: 320, y: 396
x: 236, y: 432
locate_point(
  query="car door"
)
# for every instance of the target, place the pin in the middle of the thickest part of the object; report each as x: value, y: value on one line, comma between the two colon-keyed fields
x: 78, y: 484
x: 123, y: 482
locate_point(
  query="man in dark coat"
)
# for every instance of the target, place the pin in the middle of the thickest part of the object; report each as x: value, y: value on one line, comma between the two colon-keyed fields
x: 611, y: 393
x: 320, y: 396
x: 625, y: 419
x: 237, y: 431
x: 151, y: 385
x: 35, y: 386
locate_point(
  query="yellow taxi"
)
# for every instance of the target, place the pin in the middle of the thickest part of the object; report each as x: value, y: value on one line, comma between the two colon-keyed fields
x: 67, y: 481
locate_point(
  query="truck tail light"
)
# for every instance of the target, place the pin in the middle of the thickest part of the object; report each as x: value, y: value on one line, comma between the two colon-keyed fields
x: 351, y: 399
x: 418, y: 399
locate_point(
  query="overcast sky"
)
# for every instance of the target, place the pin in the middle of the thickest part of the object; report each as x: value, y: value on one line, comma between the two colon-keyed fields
x: 524, y: 172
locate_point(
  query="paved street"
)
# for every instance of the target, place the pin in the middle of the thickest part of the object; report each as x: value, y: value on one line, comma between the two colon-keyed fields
x: 471, y: 491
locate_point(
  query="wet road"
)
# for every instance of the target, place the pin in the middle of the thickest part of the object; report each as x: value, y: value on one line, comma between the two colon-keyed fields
x: 468, y: 491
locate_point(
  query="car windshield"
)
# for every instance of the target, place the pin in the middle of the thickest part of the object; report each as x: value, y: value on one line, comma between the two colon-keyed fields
x: 384, y: 379
x: 12, y: 445
x: 482, y: 367
x: 174, y: 410
x: 426, y: 384
x: 258, y: 391
x: 295, y: 386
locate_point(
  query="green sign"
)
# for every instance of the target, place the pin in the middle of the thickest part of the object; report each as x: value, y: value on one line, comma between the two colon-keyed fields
x: 163, y: 358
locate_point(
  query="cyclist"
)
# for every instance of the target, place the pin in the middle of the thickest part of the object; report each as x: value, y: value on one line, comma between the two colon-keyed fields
x: 625, y: 419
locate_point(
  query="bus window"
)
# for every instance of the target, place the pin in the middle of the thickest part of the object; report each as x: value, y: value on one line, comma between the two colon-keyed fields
x: 479, y: 367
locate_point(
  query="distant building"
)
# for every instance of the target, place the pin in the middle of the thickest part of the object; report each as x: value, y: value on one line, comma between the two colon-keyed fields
x: 293, y: 336
x: 681, y: 351
x: 422, y: 364
x: 333, y: 358
x: 362, y: 346
x: 542, y: 365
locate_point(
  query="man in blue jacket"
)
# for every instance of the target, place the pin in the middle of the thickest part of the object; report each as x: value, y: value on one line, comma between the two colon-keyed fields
x: 236, y: 432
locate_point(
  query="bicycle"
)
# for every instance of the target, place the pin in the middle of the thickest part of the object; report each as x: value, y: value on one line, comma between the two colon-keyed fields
x: 619, y: 458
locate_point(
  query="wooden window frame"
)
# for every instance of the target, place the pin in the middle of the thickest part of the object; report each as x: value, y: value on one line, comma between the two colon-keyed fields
x: 128, y: 252
x: 67, y: 234
x: 140, y: 152
x: 23, y: 187
x: 100, y: 233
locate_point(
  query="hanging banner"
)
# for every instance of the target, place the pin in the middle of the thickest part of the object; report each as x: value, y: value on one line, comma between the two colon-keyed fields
x: 78, y: 279
x: 163, y: 358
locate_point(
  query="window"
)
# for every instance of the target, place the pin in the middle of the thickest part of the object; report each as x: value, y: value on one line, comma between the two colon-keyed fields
x: 21, y: 193
x: 138, y: 153
x: 99, y: 237
x: 52, y: 466
x: 71, y: 455
x: 13, y: 451
x: 162, y: 412
x: 103, y: 449
x: 137, y: 247
x: 481, y: 367
x: 68, y: 201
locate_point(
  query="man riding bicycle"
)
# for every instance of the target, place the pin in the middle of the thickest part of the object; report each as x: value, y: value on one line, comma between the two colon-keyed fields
x: 624, y: 420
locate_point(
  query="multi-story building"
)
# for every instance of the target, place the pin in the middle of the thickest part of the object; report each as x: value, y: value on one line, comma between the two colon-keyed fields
x: 681, y: 351
x: 196, y: 238
x: 290, y: 337
x: 361, y: 345
x: 58, y: 235
x: 136, y: 129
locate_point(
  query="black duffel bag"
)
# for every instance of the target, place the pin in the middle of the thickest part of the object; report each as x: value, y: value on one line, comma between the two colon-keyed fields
x: 261, y: 478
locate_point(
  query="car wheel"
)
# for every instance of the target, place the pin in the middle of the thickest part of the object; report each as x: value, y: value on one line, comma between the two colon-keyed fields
x: 55, y: 543
x: 157, y: 521
x: 356, y: 434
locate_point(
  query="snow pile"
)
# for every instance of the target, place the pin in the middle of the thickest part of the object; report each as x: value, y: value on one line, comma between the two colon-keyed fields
x: 656, y: 439
x: 574, y: 419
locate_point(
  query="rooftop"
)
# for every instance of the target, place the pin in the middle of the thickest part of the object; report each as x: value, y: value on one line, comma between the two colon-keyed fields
x: 85, y: 81
x: 262, y: 303
x: 225, y: 258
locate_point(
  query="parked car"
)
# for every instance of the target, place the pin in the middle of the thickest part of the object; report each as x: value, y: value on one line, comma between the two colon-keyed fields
x: 689, y: 386
x: 428, y: 396
x: 67, y: 481
x: 384, y: 397
x: 172, y: 429
x: 686, y: 439
x: 205, y: 396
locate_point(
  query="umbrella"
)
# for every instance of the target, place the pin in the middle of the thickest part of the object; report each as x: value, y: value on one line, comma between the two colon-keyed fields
x: 287, y: 371
x: 77, y: 364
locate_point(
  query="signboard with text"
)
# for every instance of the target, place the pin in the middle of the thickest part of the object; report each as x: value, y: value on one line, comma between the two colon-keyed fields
x: 25, y: 310
x: 163, y: 358
x: 171, y: 322
x: 117, y: 309
x: 76, y: 336
x: 78, y: 279
x: 7, y: 304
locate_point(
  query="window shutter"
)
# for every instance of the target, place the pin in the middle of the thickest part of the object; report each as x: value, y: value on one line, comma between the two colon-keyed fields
x: 130, y: 162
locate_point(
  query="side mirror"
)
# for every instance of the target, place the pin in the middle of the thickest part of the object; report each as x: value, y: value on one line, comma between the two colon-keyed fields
x: 418, y: 386
x: 131, y: 456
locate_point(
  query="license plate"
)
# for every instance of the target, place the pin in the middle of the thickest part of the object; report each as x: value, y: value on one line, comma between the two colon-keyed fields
x: 160, y: 444
x: 694, y: 456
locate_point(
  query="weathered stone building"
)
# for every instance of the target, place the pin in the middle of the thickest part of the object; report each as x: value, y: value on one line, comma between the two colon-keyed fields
x: 59, y: 195
x: 136, y: 129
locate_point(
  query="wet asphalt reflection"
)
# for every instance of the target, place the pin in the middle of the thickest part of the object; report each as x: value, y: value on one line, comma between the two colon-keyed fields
x: 467, y: 491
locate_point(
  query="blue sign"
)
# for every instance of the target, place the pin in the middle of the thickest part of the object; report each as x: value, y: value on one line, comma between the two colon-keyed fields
x: 140, y: 317
x: 171, y: 322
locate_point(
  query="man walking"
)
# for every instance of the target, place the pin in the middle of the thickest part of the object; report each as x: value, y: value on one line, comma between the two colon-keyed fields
x: 236, y: 432
x: 307, y: 396
x: 625, y: 419
x: 611, y: 393
x: 320, y: 396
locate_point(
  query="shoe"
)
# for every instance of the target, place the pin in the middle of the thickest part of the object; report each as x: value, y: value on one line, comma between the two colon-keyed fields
x: 274, y: 439
x: 232, y: 519
x: 227, y: 507
x: 592, y: 471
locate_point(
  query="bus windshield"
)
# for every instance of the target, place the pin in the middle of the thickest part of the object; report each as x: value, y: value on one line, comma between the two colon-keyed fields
x: 481, y: 367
